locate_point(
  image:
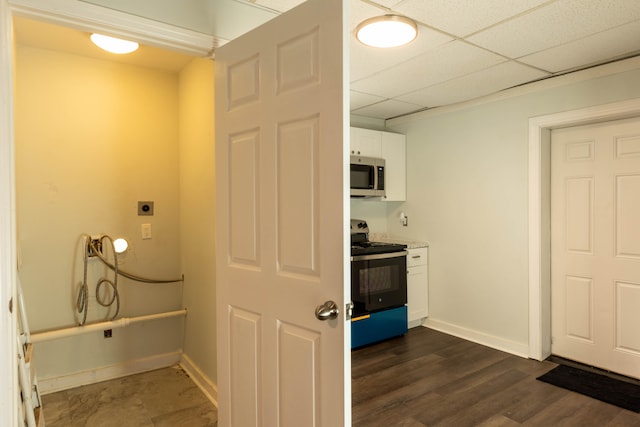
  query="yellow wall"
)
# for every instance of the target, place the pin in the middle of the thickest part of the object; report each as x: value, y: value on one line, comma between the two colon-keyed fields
x: 197, y: 195
x: 93, y: 138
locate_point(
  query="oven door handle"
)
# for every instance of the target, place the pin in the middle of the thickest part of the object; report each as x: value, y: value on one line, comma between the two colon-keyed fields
x: 369, y: 257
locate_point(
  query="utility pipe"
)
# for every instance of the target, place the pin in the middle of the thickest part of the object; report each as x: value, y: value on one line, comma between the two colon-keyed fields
x: 112, y: 324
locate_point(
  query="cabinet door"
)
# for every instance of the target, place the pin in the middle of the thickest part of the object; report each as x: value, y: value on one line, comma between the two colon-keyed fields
x: 417, y: 286
x: 393, y: 150
x: 365, y: 142
x: 417, y: 294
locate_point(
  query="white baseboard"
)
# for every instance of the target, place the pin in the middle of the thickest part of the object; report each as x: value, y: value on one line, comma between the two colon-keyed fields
x: 205, y: 384
x: 414, y: 323
x: 77, y: 379
x: 492, y: 341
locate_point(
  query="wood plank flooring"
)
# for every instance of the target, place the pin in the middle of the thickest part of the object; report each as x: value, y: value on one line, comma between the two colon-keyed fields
x: 427, y: 378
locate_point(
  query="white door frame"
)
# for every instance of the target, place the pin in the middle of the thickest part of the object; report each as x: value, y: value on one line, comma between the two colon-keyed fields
x: 539, y: 210
x: 8, y: 342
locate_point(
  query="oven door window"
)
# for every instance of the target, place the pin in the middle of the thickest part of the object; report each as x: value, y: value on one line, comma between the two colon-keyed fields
x: 378, y: 280
x: 378, y: 284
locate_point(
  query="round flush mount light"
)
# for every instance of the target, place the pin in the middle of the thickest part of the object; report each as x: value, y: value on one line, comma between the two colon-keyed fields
x: 387, y: 31
x: 120, y: 245
x: 113, y: 45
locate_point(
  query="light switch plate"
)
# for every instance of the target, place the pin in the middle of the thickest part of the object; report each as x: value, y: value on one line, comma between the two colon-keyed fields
x: 145, y: 231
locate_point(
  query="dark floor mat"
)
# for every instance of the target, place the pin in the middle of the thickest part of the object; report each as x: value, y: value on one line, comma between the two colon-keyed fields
x: 616, y: 392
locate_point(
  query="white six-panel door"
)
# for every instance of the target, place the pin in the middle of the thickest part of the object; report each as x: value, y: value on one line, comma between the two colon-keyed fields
x: 595, y: 217
x: 281, y: 222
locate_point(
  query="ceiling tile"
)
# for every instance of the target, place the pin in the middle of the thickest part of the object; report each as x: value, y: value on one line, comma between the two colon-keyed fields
x: 463, y: 17
x: 438, y: 65
x: 366, y: 60
x: 475, y: 85
x: 556, y: 23
x: 387, y: 109
x: 359, y: 99
x: 597, y: 48
x: 359, y: 11
x: 387, y: 3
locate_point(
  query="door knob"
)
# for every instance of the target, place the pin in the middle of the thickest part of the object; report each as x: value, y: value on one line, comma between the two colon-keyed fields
x: 326, y: 311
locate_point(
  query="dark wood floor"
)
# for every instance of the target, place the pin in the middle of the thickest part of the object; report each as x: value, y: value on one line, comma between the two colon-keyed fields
x: 427, y: 378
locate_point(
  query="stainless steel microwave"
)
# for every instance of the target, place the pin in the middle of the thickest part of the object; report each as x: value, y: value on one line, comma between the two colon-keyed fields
x: 367, y: 177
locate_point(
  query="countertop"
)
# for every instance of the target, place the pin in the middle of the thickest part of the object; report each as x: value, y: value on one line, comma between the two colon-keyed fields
x: 383, y: 237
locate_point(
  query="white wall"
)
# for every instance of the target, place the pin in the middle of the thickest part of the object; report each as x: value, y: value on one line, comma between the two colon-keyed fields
x: 372, y: 211
x: 197, y: 213
x: 467, y: 195
x: 93, y: 138
x: 366, y: 122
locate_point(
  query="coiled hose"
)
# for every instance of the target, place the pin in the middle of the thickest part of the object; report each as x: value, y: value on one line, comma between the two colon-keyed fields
x: 82, y: 302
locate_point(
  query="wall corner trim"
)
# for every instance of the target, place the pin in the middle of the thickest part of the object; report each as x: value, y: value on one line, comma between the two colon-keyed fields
x: 205, y: 384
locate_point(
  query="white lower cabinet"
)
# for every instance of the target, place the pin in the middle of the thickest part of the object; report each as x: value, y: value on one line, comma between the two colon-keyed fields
x: 417, y: 286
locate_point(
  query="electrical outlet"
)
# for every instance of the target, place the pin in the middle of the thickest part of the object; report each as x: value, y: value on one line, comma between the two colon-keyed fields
x: 108, y: 333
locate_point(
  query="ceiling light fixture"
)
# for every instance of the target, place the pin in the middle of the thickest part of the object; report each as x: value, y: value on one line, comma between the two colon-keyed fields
x: 120, y: 245
x: 387, y: 31
x: 113, y: 45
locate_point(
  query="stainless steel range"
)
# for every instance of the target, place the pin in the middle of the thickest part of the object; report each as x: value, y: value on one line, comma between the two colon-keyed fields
x: 378, y: 287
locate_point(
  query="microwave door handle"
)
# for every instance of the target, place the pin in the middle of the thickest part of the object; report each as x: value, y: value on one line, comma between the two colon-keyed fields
x: 374, y: 171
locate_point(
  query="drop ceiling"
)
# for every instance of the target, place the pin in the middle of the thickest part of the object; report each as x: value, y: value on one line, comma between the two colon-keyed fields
x: 465, y: 49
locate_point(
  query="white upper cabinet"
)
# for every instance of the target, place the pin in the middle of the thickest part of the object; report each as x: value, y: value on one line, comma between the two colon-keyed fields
x: 394, y: 151
x: 365, y: 142
x: 392, y: 148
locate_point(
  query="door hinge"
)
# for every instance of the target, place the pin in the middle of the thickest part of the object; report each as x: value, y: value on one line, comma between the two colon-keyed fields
x: 348, y: 310
x: 11, y: 305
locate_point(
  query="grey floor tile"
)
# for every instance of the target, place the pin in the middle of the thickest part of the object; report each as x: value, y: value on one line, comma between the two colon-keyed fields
x: 164, y: 397
x: 56, y: 409
x: 201, y: 415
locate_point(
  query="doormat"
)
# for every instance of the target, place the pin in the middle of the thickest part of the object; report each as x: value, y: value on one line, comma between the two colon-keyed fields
x: 616, y: 392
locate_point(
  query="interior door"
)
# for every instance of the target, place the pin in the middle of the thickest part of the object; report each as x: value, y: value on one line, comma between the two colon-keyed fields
x: 595, y: 218
x: 282, y: 216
